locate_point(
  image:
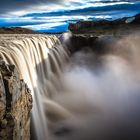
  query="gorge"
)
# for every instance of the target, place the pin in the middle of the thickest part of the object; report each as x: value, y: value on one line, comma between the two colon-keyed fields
x: 83, y: 87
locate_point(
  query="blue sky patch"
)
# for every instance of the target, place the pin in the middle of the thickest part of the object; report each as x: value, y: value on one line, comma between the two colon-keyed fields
x: 55, y: 15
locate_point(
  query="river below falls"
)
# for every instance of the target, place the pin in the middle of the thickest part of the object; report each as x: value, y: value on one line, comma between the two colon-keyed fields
x: 99, y: 97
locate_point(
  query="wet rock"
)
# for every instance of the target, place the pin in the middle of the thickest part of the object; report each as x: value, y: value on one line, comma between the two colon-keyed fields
x: 15, y: 105
x: 76, y: 42
x: 104, y: 44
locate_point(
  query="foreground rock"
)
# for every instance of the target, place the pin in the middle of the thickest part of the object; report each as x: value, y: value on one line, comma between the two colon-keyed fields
x: 15, y: 105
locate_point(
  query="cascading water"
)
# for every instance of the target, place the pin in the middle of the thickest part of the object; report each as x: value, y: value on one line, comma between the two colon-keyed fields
x: 100, y: 94
x: 95, y: 98
x: 39, y: 60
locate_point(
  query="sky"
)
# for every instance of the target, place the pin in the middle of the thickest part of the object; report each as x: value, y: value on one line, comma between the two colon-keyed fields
x: 55, y: 15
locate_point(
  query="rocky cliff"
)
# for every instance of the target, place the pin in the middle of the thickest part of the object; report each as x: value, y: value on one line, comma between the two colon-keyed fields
x: 123, y: 26
x: 15, y: 105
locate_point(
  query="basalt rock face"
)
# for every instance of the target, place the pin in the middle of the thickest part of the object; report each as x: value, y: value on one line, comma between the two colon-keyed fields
x: 15, y: 105
x: 98, y: 44
x: 136, y: 19
x: 75, y: 42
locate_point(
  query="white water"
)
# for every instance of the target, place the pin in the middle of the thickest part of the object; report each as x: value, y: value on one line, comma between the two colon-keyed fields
x: 100, y: 94
x: 97, y: 97
x: 39, y: 59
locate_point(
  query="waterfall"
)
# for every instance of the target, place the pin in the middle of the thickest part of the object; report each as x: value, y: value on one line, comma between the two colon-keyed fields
x: 101, y: 92
x: 39, y: 60
x: 93, y: 96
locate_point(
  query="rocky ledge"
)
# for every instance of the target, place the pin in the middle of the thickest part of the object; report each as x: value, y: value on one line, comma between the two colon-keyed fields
x: 120, y: 26
x: 15, y: 105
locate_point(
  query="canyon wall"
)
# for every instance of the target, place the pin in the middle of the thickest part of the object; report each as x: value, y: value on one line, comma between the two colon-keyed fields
x: 15, y: 105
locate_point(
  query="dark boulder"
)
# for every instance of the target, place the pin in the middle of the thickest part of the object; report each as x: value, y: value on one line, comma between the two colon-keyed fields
x: 76, y: 42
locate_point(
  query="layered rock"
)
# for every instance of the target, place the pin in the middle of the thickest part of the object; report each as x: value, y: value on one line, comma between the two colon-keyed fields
x: 15, y: 105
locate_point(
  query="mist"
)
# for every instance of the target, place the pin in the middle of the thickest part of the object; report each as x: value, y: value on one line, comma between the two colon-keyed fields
x: 99, y: 98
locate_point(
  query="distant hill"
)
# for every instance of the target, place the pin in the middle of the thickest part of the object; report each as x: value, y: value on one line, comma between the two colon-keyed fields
x: 104, y: 26
x: 16, y: 30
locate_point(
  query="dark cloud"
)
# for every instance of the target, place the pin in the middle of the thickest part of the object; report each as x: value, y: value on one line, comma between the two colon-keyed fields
x: 41, y: 15
x: 90, y: 10
x: 15, y: 5
x: 7, y: 6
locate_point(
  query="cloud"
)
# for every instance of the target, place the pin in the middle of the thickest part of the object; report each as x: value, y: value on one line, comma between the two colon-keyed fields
x: 49, y: 27
x: 89, y: 9
x: 21, y: 7
x: 51, y: 15
x: 9, y: 6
